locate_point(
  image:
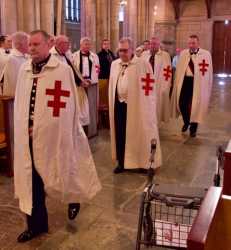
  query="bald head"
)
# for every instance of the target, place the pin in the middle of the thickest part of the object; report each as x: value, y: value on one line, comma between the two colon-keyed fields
x: 62, y: 43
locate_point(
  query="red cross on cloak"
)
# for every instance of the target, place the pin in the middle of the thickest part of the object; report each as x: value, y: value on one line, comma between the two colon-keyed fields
x: 57, y: 92
x: 203, y: 67
x: 147, y: 87
x: 167, y: 72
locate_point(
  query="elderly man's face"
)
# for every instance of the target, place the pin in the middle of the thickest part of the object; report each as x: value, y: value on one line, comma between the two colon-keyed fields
x: 155, y: 44
x: 63, y: 45
x: 85, y: 46
x: 38, y: 47
x: 193, y: 43
x: 125, y: 52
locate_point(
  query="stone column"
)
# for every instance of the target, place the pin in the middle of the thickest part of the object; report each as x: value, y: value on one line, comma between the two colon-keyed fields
x: 8, y: 16
x: 142, y: 21
x: 37, y: 15
x: 151, y: 18
x: 59, y: 17
x: 114, y: 23
x: 28, y: 15
x: 47, y: 15
x: 20, y: 14
x: 102, y: 21
x: 133, y: 20
x: 88, y: 20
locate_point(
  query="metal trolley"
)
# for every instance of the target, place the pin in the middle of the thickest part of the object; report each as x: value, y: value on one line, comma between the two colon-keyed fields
x: 167, y: 211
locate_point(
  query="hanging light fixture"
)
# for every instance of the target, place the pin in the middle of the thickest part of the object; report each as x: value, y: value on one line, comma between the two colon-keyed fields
x: 155, y: 10
x: 123, y: 2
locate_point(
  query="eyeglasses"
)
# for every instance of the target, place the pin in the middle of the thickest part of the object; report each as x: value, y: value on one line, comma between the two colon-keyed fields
x: 123, y: 50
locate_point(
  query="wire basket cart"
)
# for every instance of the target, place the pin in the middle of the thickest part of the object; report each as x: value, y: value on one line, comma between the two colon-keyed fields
x: 167, y: 211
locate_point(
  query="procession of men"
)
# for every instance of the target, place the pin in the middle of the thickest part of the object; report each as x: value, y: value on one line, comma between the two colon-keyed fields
x: 54, y: 108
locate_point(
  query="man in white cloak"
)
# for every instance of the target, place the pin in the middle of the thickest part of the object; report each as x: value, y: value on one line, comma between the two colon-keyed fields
x: 132, y: 110
x: 87, y: 63
x: 161, y: 65
x: 52, y: 155
x: 193, y: 85
x: 61, y: 50
x: 16, y: 58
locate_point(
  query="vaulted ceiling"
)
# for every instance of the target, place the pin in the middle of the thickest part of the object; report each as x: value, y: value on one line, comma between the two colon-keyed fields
x: 176, y: 6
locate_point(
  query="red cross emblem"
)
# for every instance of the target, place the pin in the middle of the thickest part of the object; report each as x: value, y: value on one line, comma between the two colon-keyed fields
x: 203, y: 67
x: 167, y: 72
x: 147, y: 87
x: 97, y: 69
x: 57, y: 92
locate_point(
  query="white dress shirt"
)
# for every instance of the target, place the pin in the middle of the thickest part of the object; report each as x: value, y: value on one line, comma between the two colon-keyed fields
x: 122, y: 84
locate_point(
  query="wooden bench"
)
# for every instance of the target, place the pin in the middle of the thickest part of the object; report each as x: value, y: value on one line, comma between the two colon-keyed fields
x: 227, y: 170
x: 6, y: 133
x: 211, y: 229
x: 103, y: 108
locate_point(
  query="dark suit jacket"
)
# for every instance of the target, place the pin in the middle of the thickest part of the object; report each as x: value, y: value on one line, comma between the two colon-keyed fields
x: 105, y: 64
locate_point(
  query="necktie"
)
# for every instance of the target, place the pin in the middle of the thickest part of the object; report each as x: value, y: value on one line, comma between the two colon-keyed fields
x: 152, y: 61
x: 191, y: 65
x: 124, y: 66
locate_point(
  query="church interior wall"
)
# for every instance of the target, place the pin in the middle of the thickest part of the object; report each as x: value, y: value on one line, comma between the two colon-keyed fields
x: 221, y: 8
x: 193, y: 19
x: 73, y: 31
x: 99, y: 19
x: 27, y: 15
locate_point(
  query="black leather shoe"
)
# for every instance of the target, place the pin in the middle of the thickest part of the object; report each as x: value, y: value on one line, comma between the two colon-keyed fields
x: 193, y: 133
x: 193, y: 129
x: 119, y: 169
x: 28, y: 235
x: 143, y: 171
x: 184, y: 128
x: 73, y: 210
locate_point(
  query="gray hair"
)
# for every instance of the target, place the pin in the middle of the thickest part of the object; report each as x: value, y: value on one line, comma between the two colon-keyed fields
x: 61, y: 38
x: 127, y: 40
x: 83, y: 39
x: 19, y: 38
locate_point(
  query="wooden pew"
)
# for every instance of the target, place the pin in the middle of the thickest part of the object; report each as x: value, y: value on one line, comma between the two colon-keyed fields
x: 103, y: 109
x: 227, y: 170
x: 92, y: 93
x: 199, y: 234
x: 211, y: 229
x: 7, y: 127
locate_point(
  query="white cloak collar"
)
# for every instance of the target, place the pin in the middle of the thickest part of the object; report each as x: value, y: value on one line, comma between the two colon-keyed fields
x: 52, y: 63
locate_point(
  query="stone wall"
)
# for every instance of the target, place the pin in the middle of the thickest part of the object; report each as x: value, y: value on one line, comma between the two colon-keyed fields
x: 27, y: 15
x: 73, y: 31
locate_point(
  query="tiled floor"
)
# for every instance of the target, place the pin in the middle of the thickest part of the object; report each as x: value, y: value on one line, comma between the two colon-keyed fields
x: 109, y: 222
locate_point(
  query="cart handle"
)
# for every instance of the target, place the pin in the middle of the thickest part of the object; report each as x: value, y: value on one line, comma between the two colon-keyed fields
x: 176, y: 201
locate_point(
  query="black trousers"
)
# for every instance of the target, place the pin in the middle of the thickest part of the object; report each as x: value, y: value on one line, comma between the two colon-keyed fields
x: 38, y: 221
x: 185, y: 101
x: 120, y: 129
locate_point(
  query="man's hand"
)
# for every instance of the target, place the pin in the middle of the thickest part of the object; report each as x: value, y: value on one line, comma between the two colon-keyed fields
x: 85, y: 83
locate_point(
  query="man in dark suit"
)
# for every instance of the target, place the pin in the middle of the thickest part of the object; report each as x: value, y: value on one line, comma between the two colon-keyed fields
x: 106, y: 57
